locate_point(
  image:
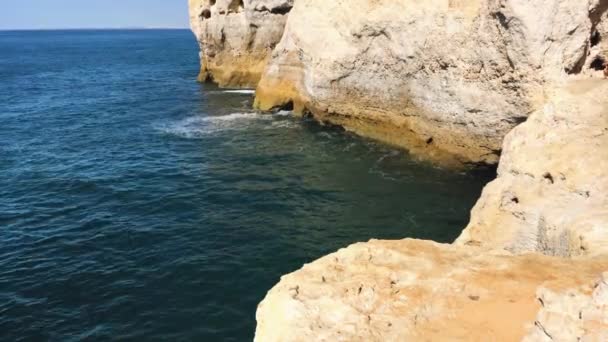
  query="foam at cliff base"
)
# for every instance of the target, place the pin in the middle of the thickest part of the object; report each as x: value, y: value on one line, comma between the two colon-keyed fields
x: 241, y: 91
x: 198, y: 126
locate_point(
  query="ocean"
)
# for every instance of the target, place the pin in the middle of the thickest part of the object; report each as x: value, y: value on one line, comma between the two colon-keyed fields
x: 138, y: 205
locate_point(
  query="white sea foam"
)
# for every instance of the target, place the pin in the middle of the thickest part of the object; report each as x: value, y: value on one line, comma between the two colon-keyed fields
x: 282, y: 124
x: 239, y: 91
x: 234, y: 117
x: 284, y: 113
x: 198, y: 126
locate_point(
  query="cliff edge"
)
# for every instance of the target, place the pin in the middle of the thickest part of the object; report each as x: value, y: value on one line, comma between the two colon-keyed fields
x: 446, y: 79
x: 528, y: 268
x: 551, y: 193
x: 413, y: 290
x: 457, y: 82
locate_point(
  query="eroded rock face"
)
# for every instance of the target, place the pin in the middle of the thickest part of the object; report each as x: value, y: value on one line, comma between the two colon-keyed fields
x: 447, y: 79
x: 528, y: 267
x: 551, y: 194
x: 598, y: 46
x: 236, y: 37
x: 414, y: 290
x: 574, y: 315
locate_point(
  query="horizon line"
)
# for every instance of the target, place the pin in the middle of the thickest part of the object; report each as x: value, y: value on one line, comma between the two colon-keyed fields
x: 93, y: 28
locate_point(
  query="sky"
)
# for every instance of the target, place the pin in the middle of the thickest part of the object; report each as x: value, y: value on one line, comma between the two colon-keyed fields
x: 58, y: 14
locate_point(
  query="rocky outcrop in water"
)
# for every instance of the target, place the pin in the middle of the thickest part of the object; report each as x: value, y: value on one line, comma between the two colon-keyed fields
x: 236, y: 37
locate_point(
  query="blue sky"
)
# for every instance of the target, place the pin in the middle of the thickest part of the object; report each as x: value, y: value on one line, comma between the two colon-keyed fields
x: 53, y: 14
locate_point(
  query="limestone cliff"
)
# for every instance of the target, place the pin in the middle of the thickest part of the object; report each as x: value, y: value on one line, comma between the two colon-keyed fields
x: 528, y: 267
x: 551, y: 194
x: 447, y: 79
x: 236, y: 37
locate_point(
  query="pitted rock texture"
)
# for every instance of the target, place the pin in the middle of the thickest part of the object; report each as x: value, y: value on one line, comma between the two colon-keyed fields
x: 414, y: 290
x: 236, y: 37
x: 598, y: 46
x: 551, y: 194
x: 447, y: 79
x: 573, y: 315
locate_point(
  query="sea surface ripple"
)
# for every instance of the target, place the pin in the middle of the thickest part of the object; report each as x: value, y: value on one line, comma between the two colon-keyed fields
x: 136, y: 204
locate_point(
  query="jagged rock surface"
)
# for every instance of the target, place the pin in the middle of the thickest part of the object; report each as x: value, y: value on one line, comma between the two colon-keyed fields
x: 551, y: 194
x: 414, y: 290
x: 447, y: 79
x: 550, y: 198
x: 236, y: 37
x: 598, y: 47
x: 574, y: 315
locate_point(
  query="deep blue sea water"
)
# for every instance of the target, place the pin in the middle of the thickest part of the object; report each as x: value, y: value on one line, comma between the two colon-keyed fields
x: 136, y: 204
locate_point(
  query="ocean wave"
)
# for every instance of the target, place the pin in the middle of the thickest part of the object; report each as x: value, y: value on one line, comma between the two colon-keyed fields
x: 198, y: 126
x: 239, y: 91
x: 232, y: 117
